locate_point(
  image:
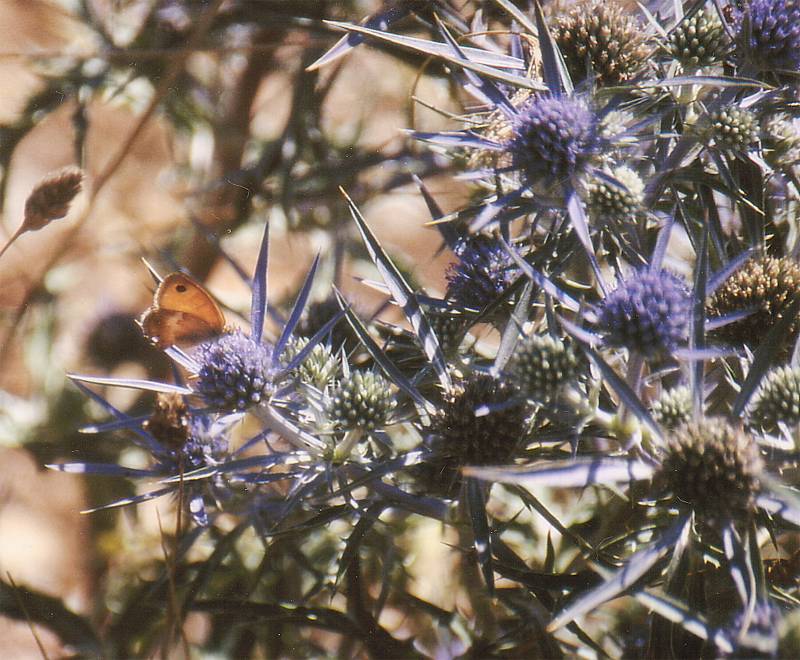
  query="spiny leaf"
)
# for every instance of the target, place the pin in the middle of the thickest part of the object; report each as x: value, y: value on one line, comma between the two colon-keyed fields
x: 554, y: 69
x: 490, y: 68
x: 403, y: 295
x: 297, y: 310
x: 625, y: 578
x: 258, y: 306
x: 476, y: 504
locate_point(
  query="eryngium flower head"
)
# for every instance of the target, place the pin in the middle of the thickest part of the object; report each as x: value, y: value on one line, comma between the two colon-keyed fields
x: 363, y: 400
x: 553, y: 135
x: 458, y: 436
x: 733, y: 128
x: 781, y: 141
x: 607, y: 200
x: 462, y: 437
x: 712, y: 468
x: 483, y: 271
x: 777, y: 400
x: 767, y: 34
x: 699, y: 39
x: 320, y: 366
x: 235, y: 372
x: 600, y: 38
x: 673, y: 408
x: 542, y: 365
x: 648, y: 312
x: 766, y: 285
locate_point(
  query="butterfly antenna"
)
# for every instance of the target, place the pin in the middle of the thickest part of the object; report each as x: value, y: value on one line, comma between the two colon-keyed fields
x: 153, y: 271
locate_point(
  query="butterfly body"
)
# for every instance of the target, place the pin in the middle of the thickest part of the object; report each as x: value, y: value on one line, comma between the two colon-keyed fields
x: 182, y: 313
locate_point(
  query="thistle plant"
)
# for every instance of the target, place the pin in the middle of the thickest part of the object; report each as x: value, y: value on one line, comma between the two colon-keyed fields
x: 596, y: 400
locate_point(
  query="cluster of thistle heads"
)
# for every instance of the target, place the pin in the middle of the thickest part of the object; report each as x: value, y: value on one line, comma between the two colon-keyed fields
x: 618, y: 328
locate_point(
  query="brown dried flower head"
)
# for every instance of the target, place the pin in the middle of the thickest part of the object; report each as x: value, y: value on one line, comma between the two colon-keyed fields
x: 766, y: 285
x: 51, y: 198
x: 48, y: 201
x: 604, y: 37
x: 713, y: 468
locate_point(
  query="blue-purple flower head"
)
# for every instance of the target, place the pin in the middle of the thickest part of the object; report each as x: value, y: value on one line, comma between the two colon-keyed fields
x: 553, y: 136
x: 648, y: 313
x: 768, y: 34
x: 236, y: 372
x: 483, y: 271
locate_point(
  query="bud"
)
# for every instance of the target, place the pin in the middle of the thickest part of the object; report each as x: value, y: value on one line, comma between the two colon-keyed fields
x: 699, y: 39
x: 765, y: 285
x: 459, y: 436
x: 320, y: 366
x: 733, y: 128
x: 673, y: 408
x: 777, y: 400
x: 542, y: 365
x: 362, y: 400
x: 606, y: 200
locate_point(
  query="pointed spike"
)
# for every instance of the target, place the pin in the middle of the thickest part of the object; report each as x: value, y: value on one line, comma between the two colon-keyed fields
x: 297, y: 310
x: 258, y: 305
x: 403, y: 295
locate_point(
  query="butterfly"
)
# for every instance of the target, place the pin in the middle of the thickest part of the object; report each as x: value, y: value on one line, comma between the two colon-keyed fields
x: 183, y: 312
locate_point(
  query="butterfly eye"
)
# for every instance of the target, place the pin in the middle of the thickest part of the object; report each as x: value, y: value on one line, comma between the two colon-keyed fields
x: 180, y: 288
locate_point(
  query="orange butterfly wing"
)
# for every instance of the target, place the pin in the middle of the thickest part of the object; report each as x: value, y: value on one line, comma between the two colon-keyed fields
x: 183, y: 312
